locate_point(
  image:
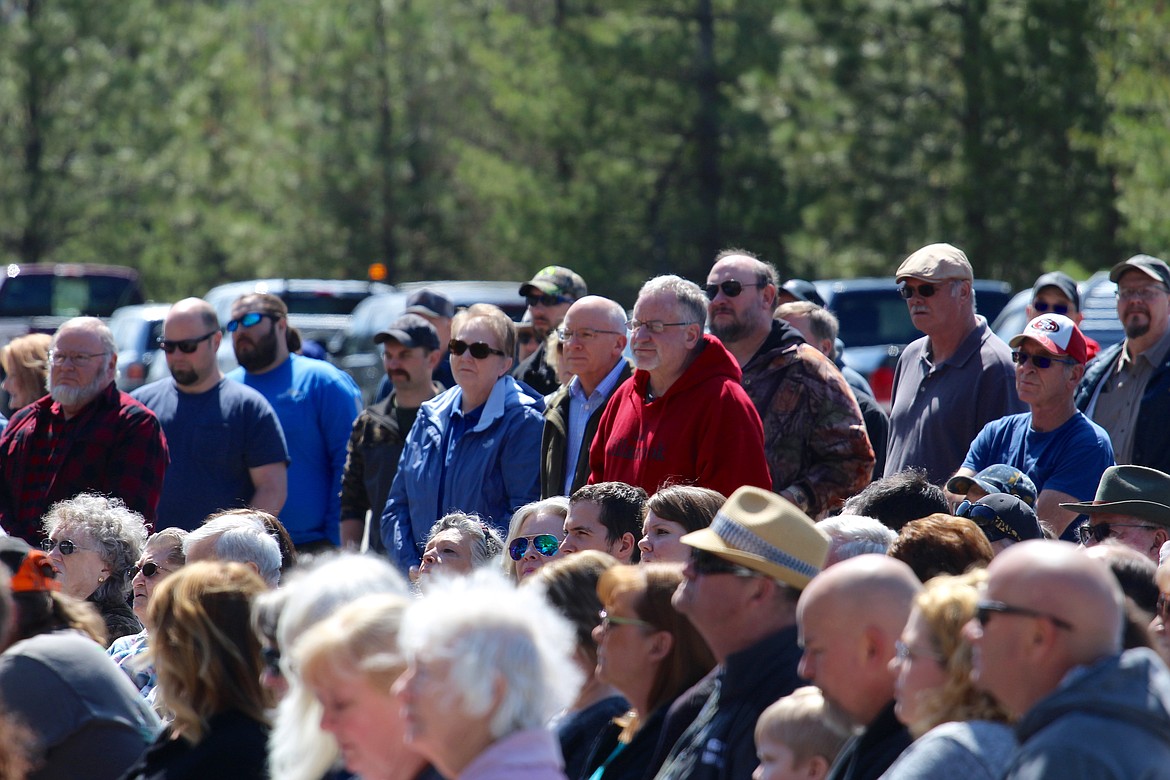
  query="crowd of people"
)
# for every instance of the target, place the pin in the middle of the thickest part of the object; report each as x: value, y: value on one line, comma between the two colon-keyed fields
x: 676, y: 542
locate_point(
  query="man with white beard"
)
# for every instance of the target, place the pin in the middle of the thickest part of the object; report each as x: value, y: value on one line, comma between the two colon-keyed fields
x: 85, y: 435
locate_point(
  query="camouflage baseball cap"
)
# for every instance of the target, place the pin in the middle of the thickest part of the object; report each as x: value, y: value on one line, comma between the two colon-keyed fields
x: 556, y: 280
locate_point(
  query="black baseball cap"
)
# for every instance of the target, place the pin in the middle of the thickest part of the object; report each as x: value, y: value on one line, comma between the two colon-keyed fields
x: 410, y: 330
x: 430, y: 303
x: 1061, y: 281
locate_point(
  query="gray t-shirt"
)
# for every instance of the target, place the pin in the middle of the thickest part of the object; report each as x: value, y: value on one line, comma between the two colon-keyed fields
x: 972, y: 750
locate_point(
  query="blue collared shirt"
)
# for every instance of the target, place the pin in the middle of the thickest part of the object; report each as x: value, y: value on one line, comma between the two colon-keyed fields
x: 580, y: 410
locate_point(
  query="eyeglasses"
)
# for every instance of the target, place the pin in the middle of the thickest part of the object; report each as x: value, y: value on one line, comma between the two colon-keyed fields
x: 730, y: 287
x: 186, y: 346
x: 66, y: 546
x: 904, y: 653
x: 707, y: 563
x: 250, y: 319
x: 478, y: 350
x: 608, y: 620
x: 654, y: 326
x: 547, y: 300
x: 985, y: 609
x: 1102, y: 531
x: 584, y: 335
x: 926, y: 290
x: 81, y: 359
x: 1040, y: 361
x: 271, y: 656
x: 983, y: 516
x: 1141, y: 293
x: 545, y: 544
x: 148, y: 569
x: 1055, y: 308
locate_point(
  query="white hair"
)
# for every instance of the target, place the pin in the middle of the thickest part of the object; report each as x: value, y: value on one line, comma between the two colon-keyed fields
x: 491, y: 632
x: 299, y: 749
x: 243, y: 539
x: 853, y: 535
x: 691, y: 299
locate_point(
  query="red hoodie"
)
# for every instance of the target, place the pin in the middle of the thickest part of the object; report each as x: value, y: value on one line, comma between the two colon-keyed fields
x: 703, y: 431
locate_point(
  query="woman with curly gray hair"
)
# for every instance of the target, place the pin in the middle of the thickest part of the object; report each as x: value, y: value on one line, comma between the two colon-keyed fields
x: 92, y: 541
x: 459, y: 543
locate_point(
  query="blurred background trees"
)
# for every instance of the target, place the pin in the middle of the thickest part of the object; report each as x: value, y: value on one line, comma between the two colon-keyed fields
x: 207, y: 141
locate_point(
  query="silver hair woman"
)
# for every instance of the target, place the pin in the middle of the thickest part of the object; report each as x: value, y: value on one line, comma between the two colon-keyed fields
x: 458, y: 544
x: 488, y: 666
x: 299, y: 749
x: 92, y: 541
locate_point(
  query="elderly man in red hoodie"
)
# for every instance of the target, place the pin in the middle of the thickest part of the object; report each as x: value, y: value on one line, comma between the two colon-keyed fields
x: 683, y: 416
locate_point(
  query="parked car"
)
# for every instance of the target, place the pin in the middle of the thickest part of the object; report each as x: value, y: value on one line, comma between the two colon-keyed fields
x: 1098, y: 305
x: 37, y: 298
x: 319, y: 308
x: 354, y: 351
x: 876, y: 324
x: 137, y: 330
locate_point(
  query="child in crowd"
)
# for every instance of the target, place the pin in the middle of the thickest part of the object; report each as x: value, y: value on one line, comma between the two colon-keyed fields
x: 796, y: 738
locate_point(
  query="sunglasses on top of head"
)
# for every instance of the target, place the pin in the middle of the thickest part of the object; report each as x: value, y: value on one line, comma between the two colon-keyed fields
x: 545, y: 544
x: 249, y: 319
x: 478, y: 350
x: 730, y: 287
x: 186, y: 346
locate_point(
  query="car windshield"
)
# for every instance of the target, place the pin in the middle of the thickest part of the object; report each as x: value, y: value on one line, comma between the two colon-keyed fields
x: 35, y: 295
x: 322, y: 302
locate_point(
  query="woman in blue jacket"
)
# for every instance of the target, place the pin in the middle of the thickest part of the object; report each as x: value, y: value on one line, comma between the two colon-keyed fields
x: 474, y: 448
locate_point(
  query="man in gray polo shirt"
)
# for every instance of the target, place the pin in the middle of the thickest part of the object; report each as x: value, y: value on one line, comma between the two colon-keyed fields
x: 1127, y: 389
x: 952, y: 381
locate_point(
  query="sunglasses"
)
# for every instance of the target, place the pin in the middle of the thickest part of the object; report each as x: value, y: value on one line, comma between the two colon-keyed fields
x: 926, y: 290
x: 608, y: 620
x: 987, y: 519
x: 1102, y: 531
x: 731, y: 288
x: 1055, y: 308
x: 66, y: 546
x: 148, y: 569
x: 985, y: 609
x: 547, y: 300
x: 1040, y: 361
x: 545, y: 544
x: 249, y: 319
x: 478, y: 350
x: 706, y: 563
x: 186, y: 346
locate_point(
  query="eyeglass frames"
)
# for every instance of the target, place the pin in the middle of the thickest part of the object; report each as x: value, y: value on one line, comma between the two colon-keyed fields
x: 67, y: 546
x: 1040, y: 361
x: 81, y: 360
x: 545, y: 544
x: 654, y: 326
x: 1141, y: 293
x: 608, y: 620
x: 547, y: 300
x: 478, y: 350
x: 1056, y: 308
x: 730, y: 287
x: 924, y: 290
x: 707, y: 563
x: 186, y: 346
x: 250, y: 319
x: 149, y: 570
x: 1102, y: 531
x: 985, y: 609
x: 584, y: 335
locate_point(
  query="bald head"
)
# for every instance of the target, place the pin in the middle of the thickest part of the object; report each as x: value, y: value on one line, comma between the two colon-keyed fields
x: 849, y: 618
x: 192, y: 324
x: 195, y: 307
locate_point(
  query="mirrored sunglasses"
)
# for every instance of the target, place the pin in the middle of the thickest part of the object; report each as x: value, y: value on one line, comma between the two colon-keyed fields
x: 545, y: 544
x: 186, y: 346
x: 249, y: 319
x: 478, y: 350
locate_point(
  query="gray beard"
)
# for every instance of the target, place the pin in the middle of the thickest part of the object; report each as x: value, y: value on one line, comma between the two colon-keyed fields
x: 78, y: 396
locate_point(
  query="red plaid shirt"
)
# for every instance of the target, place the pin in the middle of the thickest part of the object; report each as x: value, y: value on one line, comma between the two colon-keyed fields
x: 115, y: 446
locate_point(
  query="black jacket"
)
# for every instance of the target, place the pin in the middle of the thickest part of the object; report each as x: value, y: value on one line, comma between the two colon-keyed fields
x: 869, y: 754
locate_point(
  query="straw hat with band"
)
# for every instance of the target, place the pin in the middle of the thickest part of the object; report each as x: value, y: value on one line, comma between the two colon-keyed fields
x: 767, y: 534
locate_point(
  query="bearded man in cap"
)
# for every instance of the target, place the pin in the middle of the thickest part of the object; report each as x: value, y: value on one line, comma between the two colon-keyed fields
x: 1061, y: 450
x: 740, y: 590
x: 952, y: 381
x: 1127, y: 389
x: 1132, y: 506
x: 549, y: 295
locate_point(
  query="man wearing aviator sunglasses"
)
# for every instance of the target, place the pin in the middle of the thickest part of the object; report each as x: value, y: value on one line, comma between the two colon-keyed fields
x: 1062, y: 451
x: 549, y: 294
x: 316, y: 404
x: 1047, y: 644
x: 952, y: 381
x: 245, y: 462
x: 85, y: 435
x: 816, y: 443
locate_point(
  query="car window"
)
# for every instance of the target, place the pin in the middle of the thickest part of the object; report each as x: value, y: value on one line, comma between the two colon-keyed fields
x: 35, y: 295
